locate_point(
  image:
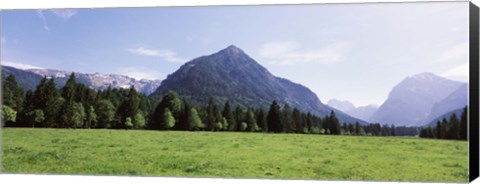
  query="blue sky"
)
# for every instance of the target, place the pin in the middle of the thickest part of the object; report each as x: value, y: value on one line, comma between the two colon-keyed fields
x: 354, y: 52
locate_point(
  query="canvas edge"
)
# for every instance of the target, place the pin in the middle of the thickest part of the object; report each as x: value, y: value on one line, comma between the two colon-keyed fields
x: 474, y: 92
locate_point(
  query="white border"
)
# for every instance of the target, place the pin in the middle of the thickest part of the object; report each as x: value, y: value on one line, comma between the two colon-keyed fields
x: 50, y: 4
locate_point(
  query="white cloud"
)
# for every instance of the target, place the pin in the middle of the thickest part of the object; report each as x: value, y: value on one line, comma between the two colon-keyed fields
x: 166, y: 54
x: 141, y: 73
x: 64, y: 14
x: 458, y: 73
x: 455, y: 53
x: 19, y: 65
x: 287, y: 53
x: 42, y: 17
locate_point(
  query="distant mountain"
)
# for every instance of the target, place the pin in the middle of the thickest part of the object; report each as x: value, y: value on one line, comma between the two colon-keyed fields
x: 25, y: 79
x: 456, y: 100
x: 362, y: 112
x: 411, y: 101
x: 340, y: 105
x: 230, y: 74
x: 30, y: 78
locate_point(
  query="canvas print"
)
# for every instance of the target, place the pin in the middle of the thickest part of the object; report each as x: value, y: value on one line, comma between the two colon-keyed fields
x: 372, y: 91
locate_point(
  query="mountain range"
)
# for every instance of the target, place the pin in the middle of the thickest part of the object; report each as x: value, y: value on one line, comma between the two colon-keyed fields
x: 231, y: 74
x: 361, y: 112
x: 28, y: 79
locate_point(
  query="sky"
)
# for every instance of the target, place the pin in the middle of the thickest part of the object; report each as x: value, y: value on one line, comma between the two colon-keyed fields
x: 354, y: 52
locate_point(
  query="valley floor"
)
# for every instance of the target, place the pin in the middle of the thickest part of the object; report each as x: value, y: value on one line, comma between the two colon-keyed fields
x: 236, y: 155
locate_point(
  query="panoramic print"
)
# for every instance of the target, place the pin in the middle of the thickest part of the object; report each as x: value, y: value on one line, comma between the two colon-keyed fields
x: 374, y: 91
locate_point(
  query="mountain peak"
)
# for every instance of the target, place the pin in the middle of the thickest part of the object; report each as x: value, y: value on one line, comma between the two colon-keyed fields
x: 425, y: 76
x: 342, y: 105
x: 232, y: 49
x: 411, y: 101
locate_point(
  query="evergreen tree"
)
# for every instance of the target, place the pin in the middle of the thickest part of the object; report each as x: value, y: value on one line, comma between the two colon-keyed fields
x: 274, y: 118
x: 351, y: 129
x: 183, y: 122
x: 454, y: 129
x: 296, y: 121
x: 129, y: 106
x: 262, y: 120
x: 68, y: 91
x: 333, y: 124
x: 304, y: 122
x: 212, y: 116
x: 80, y: 95
x: 28, y: 107
x: 463, y: 125
x: 228, y: 115
x: 430, y: 132
x: 133, y: 103
x: 392, y: 130
x: 53, y: 104
x: 13, y: 95
x: 444, y: 130
x: 287, y: 121
x: 309, y: 122
x: 344, y: 129
x: 238, y: 118
x: 46, y: 98
x: 357, y: 128
x: 218, y: 117
x: 423, y: 133
x: 40, y: 95
x: 326, y: 124
x: 438, y: 129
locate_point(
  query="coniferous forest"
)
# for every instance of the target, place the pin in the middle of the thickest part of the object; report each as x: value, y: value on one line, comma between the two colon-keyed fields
x: 453, y: 128
x: 77, y: 106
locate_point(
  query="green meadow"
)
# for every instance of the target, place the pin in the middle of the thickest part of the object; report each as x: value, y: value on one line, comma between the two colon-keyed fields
x: 232, y: 155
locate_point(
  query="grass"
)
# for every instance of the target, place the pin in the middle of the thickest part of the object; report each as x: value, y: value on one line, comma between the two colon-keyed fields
x: 235, y: 155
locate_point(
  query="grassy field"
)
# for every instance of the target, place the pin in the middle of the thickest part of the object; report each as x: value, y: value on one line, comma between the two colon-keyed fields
x: 237, y: 155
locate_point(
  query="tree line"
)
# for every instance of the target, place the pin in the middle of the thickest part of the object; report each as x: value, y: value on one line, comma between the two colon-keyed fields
x: 77, y: 106
x: 453, y: 128
x: 73, y: 106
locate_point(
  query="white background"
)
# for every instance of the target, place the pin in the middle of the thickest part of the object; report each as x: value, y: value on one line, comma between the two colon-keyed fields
x: 45, y: 4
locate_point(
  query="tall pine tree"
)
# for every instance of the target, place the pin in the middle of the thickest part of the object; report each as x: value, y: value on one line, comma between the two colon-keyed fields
x: 464, y: 125
x: 262, y: 120
x: 228, y: 115
x: 274, y: 118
